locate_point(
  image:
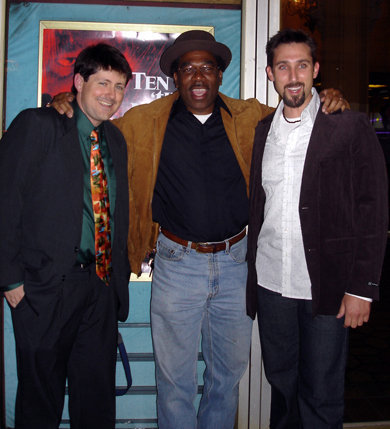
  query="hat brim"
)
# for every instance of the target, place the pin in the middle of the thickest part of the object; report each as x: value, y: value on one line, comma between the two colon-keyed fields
x: 180, y: 48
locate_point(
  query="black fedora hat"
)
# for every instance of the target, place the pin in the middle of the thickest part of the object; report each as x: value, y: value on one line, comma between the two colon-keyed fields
x: 194, y: 40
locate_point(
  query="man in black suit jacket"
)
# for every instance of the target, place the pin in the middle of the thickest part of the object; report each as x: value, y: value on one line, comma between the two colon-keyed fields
x: 316, y: 240
x: 64, y: 315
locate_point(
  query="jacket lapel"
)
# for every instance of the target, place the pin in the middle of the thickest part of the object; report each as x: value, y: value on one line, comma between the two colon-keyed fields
x: 321, y: 134
x: 258, y: 150
x: 160, y: 118
x: 231, y: 132
x: 69, y: 148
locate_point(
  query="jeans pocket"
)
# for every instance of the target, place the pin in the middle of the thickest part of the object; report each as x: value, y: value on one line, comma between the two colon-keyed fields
x: 238, y: 251
x: 170, y: 252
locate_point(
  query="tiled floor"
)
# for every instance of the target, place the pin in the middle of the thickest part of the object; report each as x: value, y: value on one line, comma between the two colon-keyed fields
x: 367, y: 396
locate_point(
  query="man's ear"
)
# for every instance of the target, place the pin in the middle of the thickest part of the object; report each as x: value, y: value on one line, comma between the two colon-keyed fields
x: 78, y: 82
x: 316, y: 69
x: 270, y: 75
x: 220, y: 77
x: 175, y: 79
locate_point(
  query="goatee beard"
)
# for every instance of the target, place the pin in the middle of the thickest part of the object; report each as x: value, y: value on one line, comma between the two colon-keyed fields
x: 295, y: 100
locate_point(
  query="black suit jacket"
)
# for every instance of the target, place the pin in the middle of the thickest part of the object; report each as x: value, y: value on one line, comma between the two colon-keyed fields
x: 343, y: 210
x: 41, y: 209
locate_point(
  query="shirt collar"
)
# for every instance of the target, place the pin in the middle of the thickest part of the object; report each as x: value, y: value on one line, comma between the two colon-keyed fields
x: 84, y: 125
x: 311, y: 109
x: 179, y: 106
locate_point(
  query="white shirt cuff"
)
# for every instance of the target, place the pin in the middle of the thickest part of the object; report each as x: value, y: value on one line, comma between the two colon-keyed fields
x: 360, y: 297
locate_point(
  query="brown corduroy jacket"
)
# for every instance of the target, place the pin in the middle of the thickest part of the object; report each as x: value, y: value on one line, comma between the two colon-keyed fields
x: 343, y: 210
x: 144, y: 128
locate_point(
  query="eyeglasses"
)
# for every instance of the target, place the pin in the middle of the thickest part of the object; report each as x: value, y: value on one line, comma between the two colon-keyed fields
x: 205, y: 70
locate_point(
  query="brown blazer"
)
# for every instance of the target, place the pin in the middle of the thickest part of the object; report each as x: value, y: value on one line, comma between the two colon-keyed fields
x: 343, y: 210
x: 144, y: 128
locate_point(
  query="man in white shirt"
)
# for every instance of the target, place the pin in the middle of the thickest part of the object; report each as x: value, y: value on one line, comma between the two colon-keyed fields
x: 317, y: 235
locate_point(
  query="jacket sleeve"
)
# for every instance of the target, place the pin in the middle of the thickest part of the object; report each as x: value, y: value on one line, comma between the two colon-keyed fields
x: 253, y: 232
x: 255, y: 218
x: 370, y: 211
x: 19, y: 162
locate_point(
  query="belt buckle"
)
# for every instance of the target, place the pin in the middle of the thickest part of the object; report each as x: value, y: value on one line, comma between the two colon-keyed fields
x: 201, y: 245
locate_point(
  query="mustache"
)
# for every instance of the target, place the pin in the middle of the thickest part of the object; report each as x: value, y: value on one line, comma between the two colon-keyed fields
x: 293, y: 85
x: 198, y: 85
x: 107, y: 99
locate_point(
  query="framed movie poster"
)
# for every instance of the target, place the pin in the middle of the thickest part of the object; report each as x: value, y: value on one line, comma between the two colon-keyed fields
x: 142, y: 44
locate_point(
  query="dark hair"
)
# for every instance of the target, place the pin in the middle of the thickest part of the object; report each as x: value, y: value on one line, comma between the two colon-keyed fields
x: 100, y: 57
x: 218, y: 60
x: 288, y: 36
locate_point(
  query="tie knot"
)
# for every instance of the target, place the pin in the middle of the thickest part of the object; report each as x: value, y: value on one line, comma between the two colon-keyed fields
x: 94, y: 136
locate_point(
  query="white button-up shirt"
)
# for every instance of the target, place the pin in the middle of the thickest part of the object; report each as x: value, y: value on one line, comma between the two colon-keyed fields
x: 280, y: 262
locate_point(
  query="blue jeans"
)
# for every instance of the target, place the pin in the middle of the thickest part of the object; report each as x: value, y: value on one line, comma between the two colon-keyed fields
x: 304, y: 361
x: 192, y: 294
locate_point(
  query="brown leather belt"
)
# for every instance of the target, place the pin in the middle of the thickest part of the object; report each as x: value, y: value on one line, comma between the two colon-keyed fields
x: 205, y: 247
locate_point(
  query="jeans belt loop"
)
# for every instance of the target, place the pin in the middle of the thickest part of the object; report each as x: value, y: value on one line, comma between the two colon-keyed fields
x: 227, y: 248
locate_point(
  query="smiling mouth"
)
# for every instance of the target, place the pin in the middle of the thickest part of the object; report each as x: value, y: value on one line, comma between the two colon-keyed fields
x: 106, y: 103
x: 199, y: 92
x: 294, y: 88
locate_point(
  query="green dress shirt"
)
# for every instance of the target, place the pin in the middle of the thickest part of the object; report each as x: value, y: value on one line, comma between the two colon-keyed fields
x: 86, y: 253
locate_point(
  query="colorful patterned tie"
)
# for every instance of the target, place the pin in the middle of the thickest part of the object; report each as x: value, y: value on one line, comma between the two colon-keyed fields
x: 101, y: 211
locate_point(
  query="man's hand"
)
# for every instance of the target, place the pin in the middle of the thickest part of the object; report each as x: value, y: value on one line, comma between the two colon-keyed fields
x: 61, y: 102
x: 14, y: 296
x: 333, y: 100
x: 355, y: 310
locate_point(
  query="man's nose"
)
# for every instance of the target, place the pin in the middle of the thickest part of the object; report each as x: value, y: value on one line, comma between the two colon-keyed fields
x: 293, y: 75
x: 110, y: 91
x: 198, y: 74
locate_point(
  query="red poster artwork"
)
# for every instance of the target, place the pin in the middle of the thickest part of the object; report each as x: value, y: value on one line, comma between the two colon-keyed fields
x: 60, y: 48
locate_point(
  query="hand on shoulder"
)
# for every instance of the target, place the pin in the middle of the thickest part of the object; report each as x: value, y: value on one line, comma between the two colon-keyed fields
x: 61, y: 103
x: 333, y: 100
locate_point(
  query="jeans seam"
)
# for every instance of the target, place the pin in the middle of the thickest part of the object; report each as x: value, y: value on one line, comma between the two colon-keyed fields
x: 211, y: 366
